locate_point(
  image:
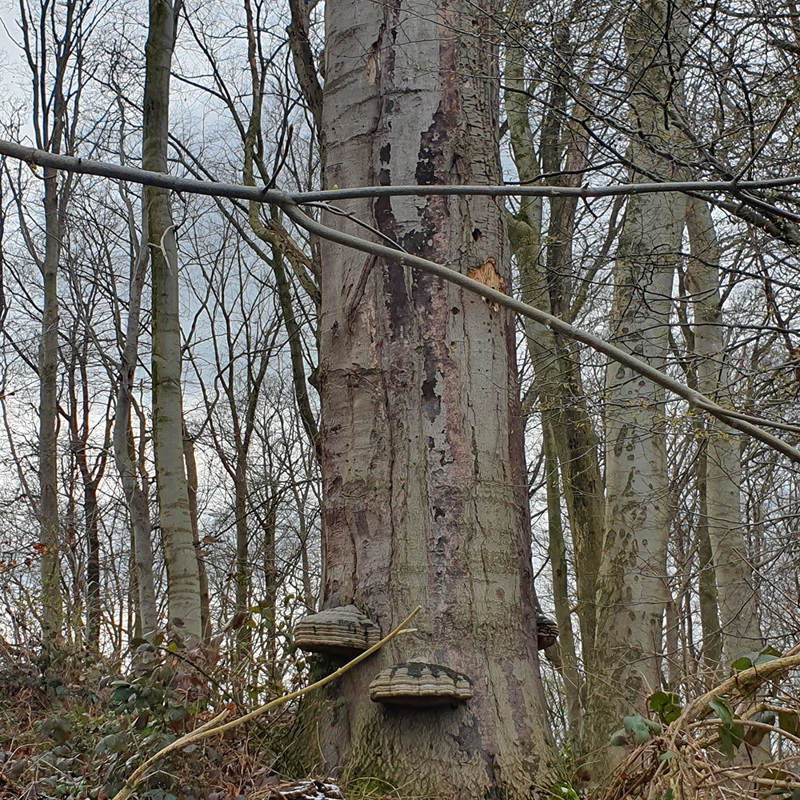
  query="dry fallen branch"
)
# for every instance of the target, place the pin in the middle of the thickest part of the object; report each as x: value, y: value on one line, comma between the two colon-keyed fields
x: 215, y: 726
x: 263, y: 195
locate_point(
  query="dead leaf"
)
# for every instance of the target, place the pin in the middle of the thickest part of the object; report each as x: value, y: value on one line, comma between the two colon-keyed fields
x: 488, y: 275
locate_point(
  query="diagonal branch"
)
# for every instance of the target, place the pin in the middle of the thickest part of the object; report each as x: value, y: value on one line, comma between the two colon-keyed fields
x: 694, y: 398
x: 752, y: 426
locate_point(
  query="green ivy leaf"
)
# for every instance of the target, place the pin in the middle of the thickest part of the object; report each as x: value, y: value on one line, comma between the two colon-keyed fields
x: 667, y: 705
x: 107, y: 744
x: 726, y: 743
x: 619, y: 738
x: 789, y: 722
x: 742, y: 663
x: 722, y: 709
x: 638, y: 726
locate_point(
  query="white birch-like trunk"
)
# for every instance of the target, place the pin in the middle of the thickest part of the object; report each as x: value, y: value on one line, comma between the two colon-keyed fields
x: 425, y: 498
x: 632, y: 589
x: 736, y: 592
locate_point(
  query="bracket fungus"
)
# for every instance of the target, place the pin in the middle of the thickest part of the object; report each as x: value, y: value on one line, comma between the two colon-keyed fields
x: 342, y: 631
x: 546, y: 632
x: 420, y: 685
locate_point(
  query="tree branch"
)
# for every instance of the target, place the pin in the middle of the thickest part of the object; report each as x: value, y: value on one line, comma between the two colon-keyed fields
x: 289, y: 202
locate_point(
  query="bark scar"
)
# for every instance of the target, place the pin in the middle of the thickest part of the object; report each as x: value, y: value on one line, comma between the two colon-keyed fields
x: 488, y: 275
x: 372, y: 57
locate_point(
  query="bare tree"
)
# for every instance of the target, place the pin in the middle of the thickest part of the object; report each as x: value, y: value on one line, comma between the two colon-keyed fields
x: 173, y: 494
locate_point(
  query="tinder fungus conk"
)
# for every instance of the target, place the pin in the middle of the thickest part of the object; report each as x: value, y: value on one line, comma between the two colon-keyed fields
x: 343, y: 631
x: 420, y: 685
x: 546, y: 632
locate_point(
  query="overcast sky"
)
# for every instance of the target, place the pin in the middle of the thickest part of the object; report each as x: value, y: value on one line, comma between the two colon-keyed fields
x: 11, y: 80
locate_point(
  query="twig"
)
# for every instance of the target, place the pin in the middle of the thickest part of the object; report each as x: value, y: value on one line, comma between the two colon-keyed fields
x: 213, y: 728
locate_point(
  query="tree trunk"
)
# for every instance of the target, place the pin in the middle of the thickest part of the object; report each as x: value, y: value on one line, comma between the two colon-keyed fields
x: 191, y: 486
x: 48, y: 404
x: 242, y: 600
x: 135, y: 487
x: 183, y: 583
x: 425, y: 497
x: 706, y: 580
x: 573, y: 683
x: 736, y: 592
x: 632, y: 590
x: 563, y: 404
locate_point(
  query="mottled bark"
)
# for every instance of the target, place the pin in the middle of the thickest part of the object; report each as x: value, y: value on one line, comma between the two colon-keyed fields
x: 183, y: 583
x: 423, y: 473
x: 736, y: 591
x: 631, y: 589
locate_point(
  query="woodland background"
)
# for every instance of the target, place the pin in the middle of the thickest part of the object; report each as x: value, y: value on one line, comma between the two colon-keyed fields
x: 87, y: 688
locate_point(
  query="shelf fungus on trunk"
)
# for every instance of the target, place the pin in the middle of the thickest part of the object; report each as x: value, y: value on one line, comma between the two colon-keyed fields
x: 546, y: 632
x: 343, y: 632
x: 420, y: 685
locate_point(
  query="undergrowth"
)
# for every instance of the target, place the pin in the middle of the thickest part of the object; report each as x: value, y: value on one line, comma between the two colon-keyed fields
x: 75, y: 726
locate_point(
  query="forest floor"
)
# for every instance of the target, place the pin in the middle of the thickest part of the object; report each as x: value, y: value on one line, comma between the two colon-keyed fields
x: 76, y: 726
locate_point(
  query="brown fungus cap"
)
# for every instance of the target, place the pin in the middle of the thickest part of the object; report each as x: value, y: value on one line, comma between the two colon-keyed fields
x: 546, y: 632
x: 421, y: 685
x: 342, y: 631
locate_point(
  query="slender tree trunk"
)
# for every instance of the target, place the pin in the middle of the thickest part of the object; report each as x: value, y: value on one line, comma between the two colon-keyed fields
x: 271, y: 589
x: 242, y: 600
x: 736, y: 592
x: 192, y: 486
x: 573, y: 683
x: 52, y: 613
x: 93, y: 601
x: 632, y: 588
x: 564, y: 411
x: 706, y: 582
x: 183, y: 582
x: 135, y: 483
x: 425, y: 496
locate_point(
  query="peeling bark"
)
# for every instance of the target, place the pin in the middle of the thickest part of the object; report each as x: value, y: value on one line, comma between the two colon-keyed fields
x: 423, y: 474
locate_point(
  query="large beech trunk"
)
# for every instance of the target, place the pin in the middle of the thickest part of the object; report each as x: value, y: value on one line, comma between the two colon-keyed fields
x: 425, y: 497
